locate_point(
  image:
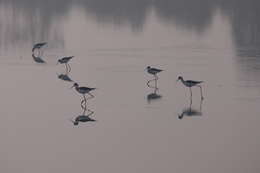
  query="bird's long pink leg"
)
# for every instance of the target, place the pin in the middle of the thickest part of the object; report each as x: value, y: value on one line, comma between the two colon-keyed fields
x: 85, y: 102
x: 67, y: 70
x: 91, y: 96
x: 190, y: 93
x: 201, y: 92
x: 69, y: 67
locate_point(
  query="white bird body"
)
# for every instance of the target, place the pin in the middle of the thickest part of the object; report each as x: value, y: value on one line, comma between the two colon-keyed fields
x: 189, y: 83
x: 83, y: 90
x: 153, y: 71
x: 65, y: 60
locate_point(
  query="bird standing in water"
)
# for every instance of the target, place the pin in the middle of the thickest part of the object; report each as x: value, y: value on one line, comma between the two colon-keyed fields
x: 83, y: 91
x: 153, y: 71
x: 191, y: 83
x: 65, y: 60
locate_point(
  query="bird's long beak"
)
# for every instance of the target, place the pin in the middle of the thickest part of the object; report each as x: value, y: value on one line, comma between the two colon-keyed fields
x: 72, y: 87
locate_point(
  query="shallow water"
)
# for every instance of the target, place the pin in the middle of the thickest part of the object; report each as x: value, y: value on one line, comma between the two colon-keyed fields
x: 136, y: 131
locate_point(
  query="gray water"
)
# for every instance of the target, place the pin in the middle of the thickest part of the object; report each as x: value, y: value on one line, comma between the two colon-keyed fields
x: 136, y: 131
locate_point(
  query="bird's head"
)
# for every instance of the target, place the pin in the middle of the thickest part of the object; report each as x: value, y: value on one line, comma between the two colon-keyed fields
x: 74, y: 122
x: 179, y: 78
x: 75, y: 85
x: 180, y: 116
x: 59, y: 61
x: 148, y: 67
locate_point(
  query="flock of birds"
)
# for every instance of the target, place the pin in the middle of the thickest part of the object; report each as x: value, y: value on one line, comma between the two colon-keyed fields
x: 37, y: 53
x: 86, y: 90
x: 187, y: 83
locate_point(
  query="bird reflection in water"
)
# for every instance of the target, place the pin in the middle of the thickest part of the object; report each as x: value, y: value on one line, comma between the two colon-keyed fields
x: 154, y: 95
x: 38, y: 47
x: 65, y: 76
x: 191, y: 112
x: 83, y: 90
x: 38, y: 59
x: 84, y: 117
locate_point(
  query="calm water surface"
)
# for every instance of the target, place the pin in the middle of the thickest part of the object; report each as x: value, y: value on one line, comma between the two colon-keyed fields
x: 137, y: 129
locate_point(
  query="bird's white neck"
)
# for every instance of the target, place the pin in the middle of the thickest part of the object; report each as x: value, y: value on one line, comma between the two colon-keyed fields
x: 182, y: 80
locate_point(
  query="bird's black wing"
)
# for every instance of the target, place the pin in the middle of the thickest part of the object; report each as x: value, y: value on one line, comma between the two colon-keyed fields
x: 194, y: 82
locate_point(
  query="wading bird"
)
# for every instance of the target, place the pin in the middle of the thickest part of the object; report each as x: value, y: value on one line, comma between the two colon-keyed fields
x: 191, y: 83
x: 83, y: 91
x: 65, y: 61
x: 153, y: 71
